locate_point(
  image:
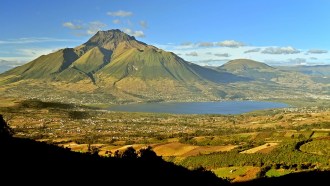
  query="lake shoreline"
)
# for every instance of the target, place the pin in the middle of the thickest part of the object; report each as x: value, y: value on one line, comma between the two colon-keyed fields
x: 220, y: 107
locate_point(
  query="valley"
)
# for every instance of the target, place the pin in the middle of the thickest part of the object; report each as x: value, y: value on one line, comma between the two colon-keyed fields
x: 217, y: 93
x: 63, y: 98
x: 253, y: 144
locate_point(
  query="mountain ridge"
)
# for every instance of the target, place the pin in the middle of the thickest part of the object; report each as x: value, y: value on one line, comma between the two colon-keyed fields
x: 113, y: 67
x: 115, y: 63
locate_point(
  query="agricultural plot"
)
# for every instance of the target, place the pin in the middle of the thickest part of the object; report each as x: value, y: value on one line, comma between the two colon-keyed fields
x: 269, y: 143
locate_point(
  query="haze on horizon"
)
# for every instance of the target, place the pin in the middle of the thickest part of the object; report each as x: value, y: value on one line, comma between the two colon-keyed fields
x: 204, y: 32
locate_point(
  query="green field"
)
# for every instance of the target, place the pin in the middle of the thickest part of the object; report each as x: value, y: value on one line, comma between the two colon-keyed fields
x: 277, y: 172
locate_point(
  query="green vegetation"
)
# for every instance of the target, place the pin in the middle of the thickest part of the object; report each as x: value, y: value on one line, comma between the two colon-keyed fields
x: 320, y: 147
x: 283, y: 140
x: 277, y: 172
x: 112, y: 67
x: 231, y: 172
x: 286, y: 156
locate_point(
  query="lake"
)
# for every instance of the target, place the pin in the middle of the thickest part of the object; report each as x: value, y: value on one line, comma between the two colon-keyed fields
x: 223, y: 107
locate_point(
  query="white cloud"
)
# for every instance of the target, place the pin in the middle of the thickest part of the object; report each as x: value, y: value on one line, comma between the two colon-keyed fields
x: 10, y: 63
x: 72, y: 26
x: 298, y: 61
x: 231, y: 44
x: 280, y: 50
x: 206, y: 55
x: 35, y: 52
x: 252, y: 50
x: 23, y: 55
x: 120, y: 13
x: 192, y: 54
x: 7, y: 65
x: 116, y: 21
x: 186, y: 43
x: 143, y: 24
x: 95, y: 26
x: 133, y: 33
x: 205, y: 44
x: 316, y: 51
x: 34, y: 40
x: 84, y: 29
x: 222, y: 55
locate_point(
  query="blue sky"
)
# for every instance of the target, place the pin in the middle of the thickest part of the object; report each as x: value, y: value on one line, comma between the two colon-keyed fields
x: 207, y: 32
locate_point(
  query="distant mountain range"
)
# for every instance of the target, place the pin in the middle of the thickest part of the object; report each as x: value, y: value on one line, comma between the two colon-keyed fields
x: 315, y: 70
x: 114, y: 67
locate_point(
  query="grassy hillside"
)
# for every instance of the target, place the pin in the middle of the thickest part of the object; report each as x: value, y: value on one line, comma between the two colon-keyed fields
x: 44, y: 67
x: 316, y: 70
x: 318, y: 73
x: 252, y: 69
x: 113, y: 67
x: 114, y: 63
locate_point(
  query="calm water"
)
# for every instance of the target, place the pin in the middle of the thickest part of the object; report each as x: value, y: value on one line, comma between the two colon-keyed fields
x: 225, y: 107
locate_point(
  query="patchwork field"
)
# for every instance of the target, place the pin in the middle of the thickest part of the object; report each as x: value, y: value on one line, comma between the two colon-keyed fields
x: 261, y: 148
x: 237, y: 174
x: 238, y: 147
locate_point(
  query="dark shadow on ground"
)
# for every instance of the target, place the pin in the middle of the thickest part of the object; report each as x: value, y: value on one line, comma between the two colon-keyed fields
x: 24, y: 161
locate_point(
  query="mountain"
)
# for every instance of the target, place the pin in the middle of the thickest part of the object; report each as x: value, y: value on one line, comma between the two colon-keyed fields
x: 250, y: 68
x: 319, y: 73
x: 115, y: 64
x: 113, y: 67
x: 45, y: 66
x: 262, y: 72
x: 273, y: 82
x: 245, y: 64
x: 315, y: 70
x: 7, y: 65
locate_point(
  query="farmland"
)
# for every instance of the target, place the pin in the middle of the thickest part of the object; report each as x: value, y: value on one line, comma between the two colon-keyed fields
x: 257, y: 144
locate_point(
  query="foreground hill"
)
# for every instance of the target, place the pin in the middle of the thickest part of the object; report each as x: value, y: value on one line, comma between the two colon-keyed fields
x: 25, y: 161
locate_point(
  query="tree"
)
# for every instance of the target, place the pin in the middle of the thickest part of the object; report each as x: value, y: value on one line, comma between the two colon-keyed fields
x: 129, y: 153
x: 5, y: 130
x: 148, y: 154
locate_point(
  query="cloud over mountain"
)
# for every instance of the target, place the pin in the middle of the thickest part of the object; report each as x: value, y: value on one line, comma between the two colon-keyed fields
x: 137, y: 33
x: 280, y: 50
x: 222, y: 55
x: 231, y: 44
x: 72, y: 26
x: 85, y: 28
x: 298, y: 60
x: 95, y: 26
x: 317, y: 51
x: 205, y: 44
x: 192, y: 54
x: 252, y: 50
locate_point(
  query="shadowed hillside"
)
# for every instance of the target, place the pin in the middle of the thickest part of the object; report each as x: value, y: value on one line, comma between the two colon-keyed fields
x: 27, y: 161
x: 302, y: 178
